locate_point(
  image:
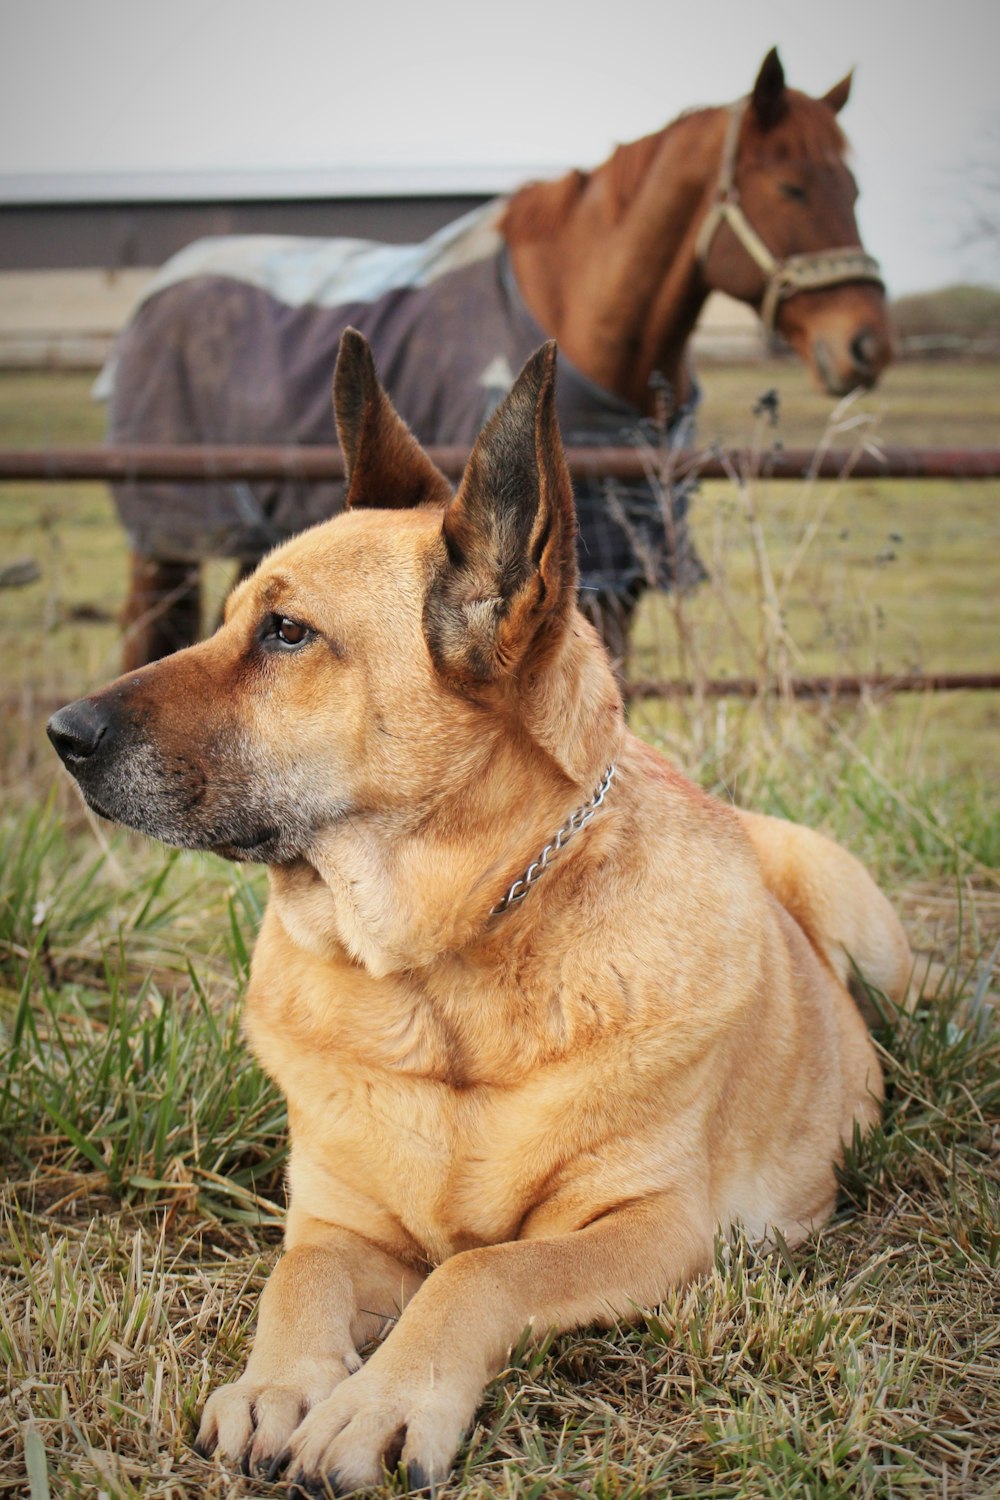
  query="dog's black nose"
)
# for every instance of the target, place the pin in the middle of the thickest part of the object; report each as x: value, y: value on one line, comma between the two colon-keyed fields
x: 77, y: 730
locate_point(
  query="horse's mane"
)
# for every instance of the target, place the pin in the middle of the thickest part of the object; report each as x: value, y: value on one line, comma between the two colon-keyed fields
x: 540, y: 209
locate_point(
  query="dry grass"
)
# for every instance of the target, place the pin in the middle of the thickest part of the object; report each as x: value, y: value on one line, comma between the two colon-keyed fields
x: 143, y: 1151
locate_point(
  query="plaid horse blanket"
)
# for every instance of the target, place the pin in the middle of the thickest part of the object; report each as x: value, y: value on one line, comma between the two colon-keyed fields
x: 236, y: 339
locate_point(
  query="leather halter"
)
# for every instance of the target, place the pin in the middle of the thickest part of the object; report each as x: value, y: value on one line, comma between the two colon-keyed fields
x: 795, y: 273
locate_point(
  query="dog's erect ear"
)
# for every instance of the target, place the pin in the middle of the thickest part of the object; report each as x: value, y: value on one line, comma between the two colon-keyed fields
x: 509, y: 579
x: 768, y: 97
x: 385, y: 465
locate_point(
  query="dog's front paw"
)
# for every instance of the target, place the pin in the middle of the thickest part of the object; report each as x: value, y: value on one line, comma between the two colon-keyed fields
x: 383, y: 1416
x: 251, y: 1421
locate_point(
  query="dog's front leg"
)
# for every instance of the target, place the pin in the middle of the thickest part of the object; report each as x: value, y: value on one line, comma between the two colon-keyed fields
x: 419, y: 1391
x: 329, y: 1293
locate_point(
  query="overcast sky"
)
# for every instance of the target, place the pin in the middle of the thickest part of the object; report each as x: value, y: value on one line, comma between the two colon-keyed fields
x: 195, y: 86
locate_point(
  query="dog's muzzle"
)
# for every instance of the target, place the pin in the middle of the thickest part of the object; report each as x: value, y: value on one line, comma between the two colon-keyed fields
x: 91, y: 737
x: 192, y: 796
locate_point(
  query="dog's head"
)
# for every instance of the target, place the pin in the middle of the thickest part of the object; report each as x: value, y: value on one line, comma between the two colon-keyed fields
x: 377, y: 665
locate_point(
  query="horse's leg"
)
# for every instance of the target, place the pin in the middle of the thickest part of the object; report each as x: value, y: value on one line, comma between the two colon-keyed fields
x: 162, y: 612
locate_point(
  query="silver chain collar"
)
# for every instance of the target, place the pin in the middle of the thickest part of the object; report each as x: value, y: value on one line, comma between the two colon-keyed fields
x: 577, y: 820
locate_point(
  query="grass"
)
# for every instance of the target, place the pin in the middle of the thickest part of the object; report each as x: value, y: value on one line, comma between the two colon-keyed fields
x: 143, y: 1150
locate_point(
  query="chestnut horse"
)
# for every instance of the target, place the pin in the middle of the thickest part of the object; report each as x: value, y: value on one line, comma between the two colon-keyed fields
x: 235, y: 340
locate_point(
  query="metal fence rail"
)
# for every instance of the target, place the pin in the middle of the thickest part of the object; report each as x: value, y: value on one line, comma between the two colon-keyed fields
x: 828, y: 687
x: 204, y: 463
x: 310, y: 464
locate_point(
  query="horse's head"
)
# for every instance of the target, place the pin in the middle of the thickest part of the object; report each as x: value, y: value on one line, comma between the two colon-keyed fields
x: 780, y: 232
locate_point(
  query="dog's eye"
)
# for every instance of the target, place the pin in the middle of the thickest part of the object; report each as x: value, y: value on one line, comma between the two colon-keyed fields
x: 290, y: 631
x: 794, y: 191
x: 280, y: 630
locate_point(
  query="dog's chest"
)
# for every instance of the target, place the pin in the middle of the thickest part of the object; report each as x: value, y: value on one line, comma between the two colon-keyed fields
x: 445, y: 1117
x: 399, y: 1155
x: 456, y: 1168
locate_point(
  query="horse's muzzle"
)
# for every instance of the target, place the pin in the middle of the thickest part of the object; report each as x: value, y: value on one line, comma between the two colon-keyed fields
x: 848, y: 366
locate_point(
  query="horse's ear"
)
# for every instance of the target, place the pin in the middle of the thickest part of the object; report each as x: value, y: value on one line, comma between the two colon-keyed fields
x: 385, y: 465
x: 839, y: 94
x: 507, y: 583
x: 768, y: 96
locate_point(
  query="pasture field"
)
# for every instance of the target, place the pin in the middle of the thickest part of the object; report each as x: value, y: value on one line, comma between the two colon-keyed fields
x: 143, y: 1152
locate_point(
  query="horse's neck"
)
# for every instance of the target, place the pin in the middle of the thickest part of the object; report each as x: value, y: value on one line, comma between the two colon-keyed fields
x: 614, y: 274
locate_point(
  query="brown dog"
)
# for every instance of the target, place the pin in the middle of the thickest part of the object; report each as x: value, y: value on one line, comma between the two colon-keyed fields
x: 504, y: 1113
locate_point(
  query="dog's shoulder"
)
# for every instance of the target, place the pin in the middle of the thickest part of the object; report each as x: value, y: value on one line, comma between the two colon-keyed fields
x: 679, y: 818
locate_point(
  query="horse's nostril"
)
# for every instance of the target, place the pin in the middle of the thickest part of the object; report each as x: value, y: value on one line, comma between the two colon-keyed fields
x: 864, y: 349
x: 76, y: 731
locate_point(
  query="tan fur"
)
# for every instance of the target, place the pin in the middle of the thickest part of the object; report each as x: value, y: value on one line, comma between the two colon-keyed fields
x: 539, y: 1118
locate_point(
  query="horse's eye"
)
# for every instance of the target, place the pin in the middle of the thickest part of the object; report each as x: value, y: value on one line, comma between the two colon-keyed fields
x: 793, y: 191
